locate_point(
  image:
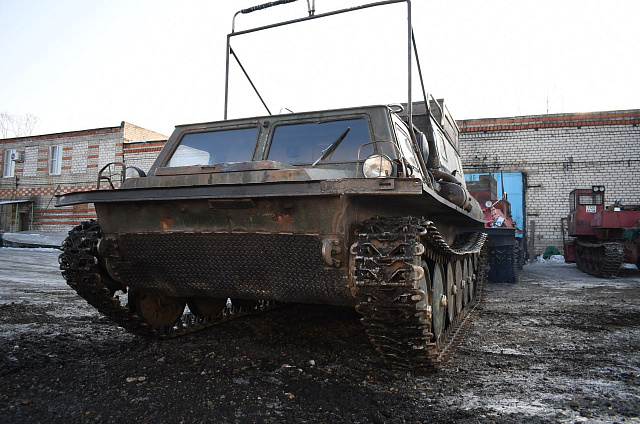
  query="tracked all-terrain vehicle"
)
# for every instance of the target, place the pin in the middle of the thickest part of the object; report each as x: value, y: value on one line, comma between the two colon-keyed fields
x: 504, y: 248
x: 603, y: 237
x: 363, y: 207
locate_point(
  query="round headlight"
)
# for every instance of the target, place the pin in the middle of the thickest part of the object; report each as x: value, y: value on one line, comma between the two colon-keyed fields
x: 377, y: 166
x: 133, y: 172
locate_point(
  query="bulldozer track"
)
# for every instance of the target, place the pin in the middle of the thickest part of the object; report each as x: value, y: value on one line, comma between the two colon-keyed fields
x: 503, y: 264
x: 80, y: 265
x: 602, y: 260
x: 394, y: 292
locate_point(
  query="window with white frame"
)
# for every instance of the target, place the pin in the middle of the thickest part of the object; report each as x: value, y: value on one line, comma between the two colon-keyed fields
x: 55, y: 160
x: 9, y: 164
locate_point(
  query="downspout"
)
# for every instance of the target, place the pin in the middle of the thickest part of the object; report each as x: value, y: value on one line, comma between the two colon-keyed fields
x: 15, y: 221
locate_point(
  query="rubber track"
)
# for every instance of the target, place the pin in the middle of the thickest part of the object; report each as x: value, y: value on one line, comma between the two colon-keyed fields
x: 388, y: 257
x: 81, y: 268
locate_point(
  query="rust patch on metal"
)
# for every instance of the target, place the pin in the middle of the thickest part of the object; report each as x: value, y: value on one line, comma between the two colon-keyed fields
x: 286, y: 175
x: 284, y: 220
x: 167, y: 223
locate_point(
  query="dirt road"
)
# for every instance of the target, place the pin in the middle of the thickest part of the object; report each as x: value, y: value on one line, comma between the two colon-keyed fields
x: 560, y: 346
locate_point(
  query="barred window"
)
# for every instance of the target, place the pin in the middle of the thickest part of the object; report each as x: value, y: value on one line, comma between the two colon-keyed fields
x: 591, y: 199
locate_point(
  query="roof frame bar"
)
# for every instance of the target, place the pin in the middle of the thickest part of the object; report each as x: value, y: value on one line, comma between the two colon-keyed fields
x: 410, y: 45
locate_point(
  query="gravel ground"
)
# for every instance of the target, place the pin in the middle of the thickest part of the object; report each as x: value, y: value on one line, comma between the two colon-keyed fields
x: 560, y: 346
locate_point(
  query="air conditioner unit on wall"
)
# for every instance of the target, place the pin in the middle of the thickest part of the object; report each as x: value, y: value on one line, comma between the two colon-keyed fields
x: 17, y: 157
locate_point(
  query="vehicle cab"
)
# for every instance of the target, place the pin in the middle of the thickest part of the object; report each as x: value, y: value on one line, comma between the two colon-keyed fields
x: 369, y: 142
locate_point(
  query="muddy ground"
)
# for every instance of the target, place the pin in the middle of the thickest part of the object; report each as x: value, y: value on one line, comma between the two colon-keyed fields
x: 560, y: 346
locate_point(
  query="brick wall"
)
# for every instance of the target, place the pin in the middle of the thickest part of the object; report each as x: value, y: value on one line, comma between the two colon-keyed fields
x: 135, y: 133
x: 142, y: 154
x: 558, y: 153
x: 84, y: 153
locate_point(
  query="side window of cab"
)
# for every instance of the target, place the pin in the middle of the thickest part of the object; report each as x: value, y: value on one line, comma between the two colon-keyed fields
x: 406, y: 147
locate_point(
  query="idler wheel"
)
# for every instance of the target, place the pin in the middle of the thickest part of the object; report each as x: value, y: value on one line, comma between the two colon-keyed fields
x: 438, y: 301
x: 157, y: 310
x: 207, y: 308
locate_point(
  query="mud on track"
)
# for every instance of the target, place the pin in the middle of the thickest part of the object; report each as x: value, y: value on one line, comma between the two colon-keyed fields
x: 561, y: 346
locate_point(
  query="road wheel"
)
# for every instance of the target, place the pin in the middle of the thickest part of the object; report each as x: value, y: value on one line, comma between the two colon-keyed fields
x: 467, y: 275
x: 450, y: 292
x: 459, y: 286
x: 438, y: 301
x: 159, y: 311
x: 207, y: 308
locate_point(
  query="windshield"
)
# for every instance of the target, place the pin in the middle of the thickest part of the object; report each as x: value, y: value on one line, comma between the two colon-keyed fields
x: 298, y: 144
x: 211, y: 147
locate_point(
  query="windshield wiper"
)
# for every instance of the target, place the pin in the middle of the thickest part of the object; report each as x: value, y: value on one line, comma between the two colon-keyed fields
x: 333, y: 146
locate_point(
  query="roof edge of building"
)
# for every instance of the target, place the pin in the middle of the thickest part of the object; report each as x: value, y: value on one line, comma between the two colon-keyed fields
x: 616, y: 117
x: 67, y: 134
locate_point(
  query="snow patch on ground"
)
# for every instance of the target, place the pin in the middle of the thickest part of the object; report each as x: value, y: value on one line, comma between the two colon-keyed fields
x: 31, y: 249
x: 553, y: 260
x: 508, y: 405
x: 53, y: 239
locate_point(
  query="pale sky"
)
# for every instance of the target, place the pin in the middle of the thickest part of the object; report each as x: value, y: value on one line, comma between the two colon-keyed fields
x: 159, y: 63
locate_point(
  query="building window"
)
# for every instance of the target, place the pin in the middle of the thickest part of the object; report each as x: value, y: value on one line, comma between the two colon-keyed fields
x: 9, y: 164
x: 55, y: 160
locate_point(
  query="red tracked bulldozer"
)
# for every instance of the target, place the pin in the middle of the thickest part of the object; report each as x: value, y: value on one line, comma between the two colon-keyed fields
x: 603, y: 236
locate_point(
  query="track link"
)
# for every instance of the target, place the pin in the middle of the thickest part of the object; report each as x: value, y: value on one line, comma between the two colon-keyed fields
x: 80, y: 265
x: 394, y: 294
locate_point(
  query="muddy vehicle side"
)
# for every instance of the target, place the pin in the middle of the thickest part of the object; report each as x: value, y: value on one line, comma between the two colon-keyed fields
x: 335, y: 207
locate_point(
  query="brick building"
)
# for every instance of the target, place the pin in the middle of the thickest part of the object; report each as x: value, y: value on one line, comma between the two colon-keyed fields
x: 36, y: 168
x: 557, y: 153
